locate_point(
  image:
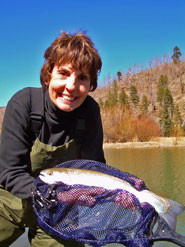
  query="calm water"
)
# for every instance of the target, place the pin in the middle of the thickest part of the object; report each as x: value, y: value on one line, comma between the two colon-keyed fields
x: 162, y: 169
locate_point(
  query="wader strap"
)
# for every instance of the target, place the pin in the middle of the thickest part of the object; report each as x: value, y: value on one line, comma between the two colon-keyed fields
x: 37, y: 110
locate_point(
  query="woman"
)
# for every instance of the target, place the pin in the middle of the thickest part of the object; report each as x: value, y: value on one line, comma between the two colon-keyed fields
x: 70, y: 128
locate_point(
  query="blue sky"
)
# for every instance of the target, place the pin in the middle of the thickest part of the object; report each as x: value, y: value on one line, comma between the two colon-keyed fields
x: 125, y: 32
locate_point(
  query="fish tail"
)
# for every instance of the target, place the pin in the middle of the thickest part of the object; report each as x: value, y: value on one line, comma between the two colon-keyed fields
x: 171, y: 215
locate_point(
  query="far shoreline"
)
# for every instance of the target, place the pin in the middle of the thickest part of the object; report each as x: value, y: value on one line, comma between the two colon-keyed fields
x: 159, y: 142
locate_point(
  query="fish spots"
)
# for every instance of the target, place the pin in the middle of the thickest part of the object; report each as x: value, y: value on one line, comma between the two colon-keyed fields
x: 86, y: 197
x: 138, y: 183
x: 126, y: 200
x: 80, y: 196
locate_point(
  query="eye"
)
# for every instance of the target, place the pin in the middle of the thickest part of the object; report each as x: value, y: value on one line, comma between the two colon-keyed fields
x: 83, y: 77
x: 50, y: 172
x: 64, y: 72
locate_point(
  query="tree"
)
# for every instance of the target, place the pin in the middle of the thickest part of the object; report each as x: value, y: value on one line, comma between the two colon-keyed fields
x: 176, y: 59
x: 119, y: 74
x: 176, y: 55
x: 123, y: 98
x: 133, y: 95
x: 115, y: 92
x: 166, y: 122
x: 165, y: 98
x: 162, y: 84
x: 178, y: 122
x: 177, y: 116
x: 112, y: 96
x: 144, y: 104
x: 167, y: 112
x: 168, y: 100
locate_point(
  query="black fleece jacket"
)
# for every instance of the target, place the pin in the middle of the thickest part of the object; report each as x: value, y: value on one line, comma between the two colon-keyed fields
x: 57, y: 129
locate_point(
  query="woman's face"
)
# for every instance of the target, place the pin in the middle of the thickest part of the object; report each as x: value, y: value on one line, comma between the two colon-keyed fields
x: 68, y: 87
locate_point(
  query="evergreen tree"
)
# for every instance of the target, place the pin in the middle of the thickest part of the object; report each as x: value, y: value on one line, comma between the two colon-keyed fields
x: 115, y: 90
x: 167, y: 113
x: 176, y: 59
x: 177, y: 116
x: 168, y: 101
x: 112, y: 97
x: 176, y: 55
x: 166, y: 122
x: 160, y: 94
x: 109, y: 100
x: 133, y: 95
x: 162, y: 84
x: 119, y: 74
x: 107, y: 103
x: 144, y: 104
x: 123, y: 98
x: 165, y: 98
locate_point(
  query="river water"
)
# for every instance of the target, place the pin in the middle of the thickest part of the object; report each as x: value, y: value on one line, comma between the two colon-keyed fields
x: 162, y: 169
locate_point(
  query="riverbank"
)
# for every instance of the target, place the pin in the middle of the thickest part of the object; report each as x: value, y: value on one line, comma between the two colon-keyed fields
x: 154, y: 143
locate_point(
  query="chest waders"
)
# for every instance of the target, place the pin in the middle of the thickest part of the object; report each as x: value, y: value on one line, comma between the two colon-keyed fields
x: 18, y: 214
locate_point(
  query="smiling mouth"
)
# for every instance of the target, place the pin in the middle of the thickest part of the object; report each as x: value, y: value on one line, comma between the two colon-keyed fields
x: 68, y: 98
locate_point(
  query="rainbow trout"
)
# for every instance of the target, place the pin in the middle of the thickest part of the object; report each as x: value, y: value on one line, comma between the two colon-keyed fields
x: 166, y: 208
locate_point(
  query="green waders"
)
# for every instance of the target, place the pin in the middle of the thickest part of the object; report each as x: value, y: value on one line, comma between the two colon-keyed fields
x: 16, y: 214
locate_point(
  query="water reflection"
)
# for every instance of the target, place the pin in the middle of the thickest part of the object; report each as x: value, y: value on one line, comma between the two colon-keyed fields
x: 162, y: 169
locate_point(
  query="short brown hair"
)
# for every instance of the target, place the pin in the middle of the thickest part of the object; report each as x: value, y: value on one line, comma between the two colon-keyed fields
x: 77, y: 49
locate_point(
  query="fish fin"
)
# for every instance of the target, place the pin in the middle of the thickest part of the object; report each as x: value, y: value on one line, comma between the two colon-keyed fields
x: 171, y: 215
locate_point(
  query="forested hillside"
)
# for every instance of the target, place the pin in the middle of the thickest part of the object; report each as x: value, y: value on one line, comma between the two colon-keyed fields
x: 141, y: 104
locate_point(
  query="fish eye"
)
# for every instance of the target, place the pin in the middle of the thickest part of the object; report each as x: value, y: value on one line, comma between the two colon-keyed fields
x: 50, y: 172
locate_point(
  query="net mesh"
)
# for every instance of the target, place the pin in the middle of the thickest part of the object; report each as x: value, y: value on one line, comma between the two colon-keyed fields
x: 93, y: 215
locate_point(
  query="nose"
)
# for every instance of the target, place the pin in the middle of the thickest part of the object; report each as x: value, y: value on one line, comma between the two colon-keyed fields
x: 71, y: 82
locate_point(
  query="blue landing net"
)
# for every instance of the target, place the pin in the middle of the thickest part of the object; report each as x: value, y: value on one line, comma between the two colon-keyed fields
x: 93, y: 215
